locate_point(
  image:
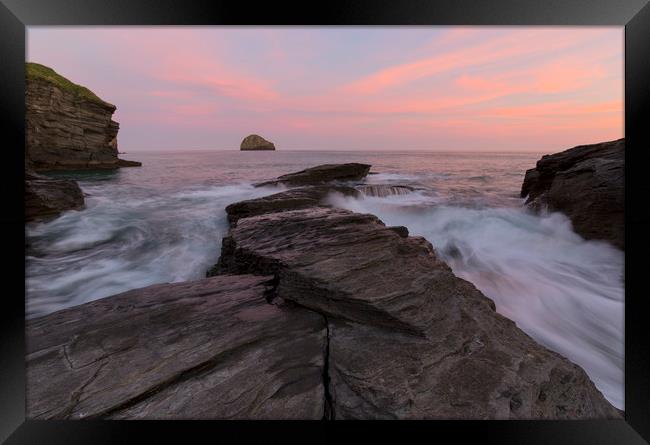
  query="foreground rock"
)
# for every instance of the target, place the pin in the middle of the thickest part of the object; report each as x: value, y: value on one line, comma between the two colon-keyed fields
x: 320, y: 313
x: 407, y: 338
x: 67, y: 126
x: 255, y: 142
x: 587, y: 184
x: 205, y: 349
x: 47, y: 198
x: 322, y: 174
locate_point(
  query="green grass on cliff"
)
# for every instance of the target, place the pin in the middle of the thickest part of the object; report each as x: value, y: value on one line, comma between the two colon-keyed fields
x: 38, y: 71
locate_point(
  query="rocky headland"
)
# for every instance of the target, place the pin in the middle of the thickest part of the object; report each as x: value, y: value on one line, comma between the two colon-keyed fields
x: 312, y: 312
x: 587, y: 183
x: 255, y: 142
x: 68, y: 127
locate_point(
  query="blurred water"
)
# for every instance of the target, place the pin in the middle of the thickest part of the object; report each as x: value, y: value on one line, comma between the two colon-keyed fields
x: 163, y: 222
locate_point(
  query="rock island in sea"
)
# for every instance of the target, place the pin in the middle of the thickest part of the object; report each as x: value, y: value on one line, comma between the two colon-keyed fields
x: 255, y: 142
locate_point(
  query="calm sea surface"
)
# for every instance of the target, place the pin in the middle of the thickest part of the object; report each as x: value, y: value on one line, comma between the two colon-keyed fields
x: 163, y: 222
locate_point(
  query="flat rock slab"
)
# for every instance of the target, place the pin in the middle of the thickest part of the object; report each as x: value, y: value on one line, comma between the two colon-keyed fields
x: 208, y: 349
x: 322, y: 174
x: 334, y: 260
x: 407, y: 338
x: 294, y: 199
x: 587, y: 183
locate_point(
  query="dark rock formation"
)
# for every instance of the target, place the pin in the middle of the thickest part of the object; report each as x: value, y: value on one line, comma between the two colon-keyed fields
x: 298, y: 198
x: 126, y: 163
x: 320, y: 313
x: 322, y: 174
x: 67, y: 126
x: 256, y: 142
x: 587, y: 183
x: 47, y: 198
x: 407, y: 338
x: 204, y: 349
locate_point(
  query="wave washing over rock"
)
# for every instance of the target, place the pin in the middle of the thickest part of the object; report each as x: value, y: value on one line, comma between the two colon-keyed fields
x: 153, y: 227
x: 587, y: 184
x: 564, y: 291
x: 352, y: 335
x: 125, y: 239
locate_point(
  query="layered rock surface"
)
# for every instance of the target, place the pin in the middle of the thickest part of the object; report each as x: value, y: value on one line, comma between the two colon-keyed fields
x: 318, y: 313
x: 298, y: 198
x: 47, y: 198
x: 322, y: 174
x: 67, y: 126
x: 587, y: 183
x: 255, y: 142
x: 407, y: 338
x: 212, y: 348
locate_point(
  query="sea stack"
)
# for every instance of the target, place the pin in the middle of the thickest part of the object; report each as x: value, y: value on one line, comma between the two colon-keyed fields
x: 68, y: 126
x: 256, y: 142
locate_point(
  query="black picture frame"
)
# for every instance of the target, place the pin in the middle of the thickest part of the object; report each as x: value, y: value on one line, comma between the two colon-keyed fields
x: 15, y: 15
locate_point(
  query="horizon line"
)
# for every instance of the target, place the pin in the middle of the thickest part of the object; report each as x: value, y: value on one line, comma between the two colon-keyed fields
x: 187, y: 150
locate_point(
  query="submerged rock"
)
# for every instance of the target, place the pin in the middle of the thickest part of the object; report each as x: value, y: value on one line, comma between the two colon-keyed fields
x: 587, y: 184
x: 68, y: 127
x: 256, y: 142
x: 47, y: 198
x: 322, y: 174
x: 208, y: 349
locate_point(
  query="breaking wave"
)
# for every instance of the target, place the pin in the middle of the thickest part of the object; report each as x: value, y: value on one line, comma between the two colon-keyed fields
x: 565, y: 292
x: 121, y: 242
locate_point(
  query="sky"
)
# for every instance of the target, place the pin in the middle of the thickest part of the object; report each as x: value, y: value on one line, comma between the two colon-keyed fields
x: 526, y: 89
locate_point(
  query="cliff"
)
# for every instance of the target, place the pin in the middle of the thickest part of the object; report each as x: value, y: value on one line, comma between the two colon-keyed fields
x: 67, y: 125
x: 587, y: 183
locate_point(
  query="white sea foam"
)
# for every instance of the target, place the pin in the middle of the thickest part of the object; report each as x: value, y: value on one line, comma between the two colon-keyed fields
x: 164, y: 222
x: 120, y: 244
x: 565, y: 292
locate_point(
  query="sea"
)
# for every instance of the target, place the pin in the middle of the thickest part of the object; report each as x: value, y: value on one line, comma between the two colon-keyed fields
x: 164, y: 221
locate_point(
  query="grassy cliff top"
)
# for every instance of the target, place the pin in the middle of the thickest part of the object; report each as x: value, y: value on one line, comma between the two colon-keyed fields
x: 38, y: 71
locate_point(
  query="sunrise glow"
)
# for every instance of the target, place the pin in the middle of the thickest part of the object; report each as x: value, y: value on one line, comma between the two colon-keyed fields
x: 345, y: 88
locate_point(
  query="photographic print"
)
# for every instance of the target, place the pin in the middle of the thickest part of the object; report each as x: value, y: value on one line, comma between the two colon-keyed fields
x: 330, y: 223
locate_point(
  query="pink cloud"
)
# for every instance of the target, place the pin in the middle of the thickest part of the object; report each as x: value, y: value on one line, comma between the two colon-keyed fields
x: 517, y: 43
x: 460, y: 86
x: 562, y: 108
x: 171, y: 94
x: 566, y: 74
